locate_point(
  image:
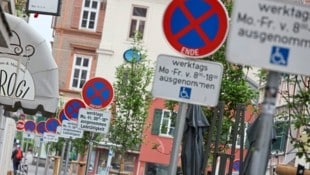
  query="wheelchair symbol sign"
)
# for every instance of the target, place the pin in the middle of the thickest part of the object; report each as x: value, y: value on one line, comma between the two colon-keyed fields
x: 185, y: 92
x: 279, y: 55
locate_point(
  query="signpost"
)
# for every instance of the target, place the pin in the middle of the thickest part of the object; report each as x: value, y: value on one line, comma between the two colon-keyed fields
x: 97, y: 93
x: 270, y: 34
x: 72, y: 108
x: 70, y: 129
x: 273, y: 35
x: 195, y: 28
x: 62, y: 116
x: 20, y: 125
x: 41, y: 128
x: 50, y: 137
x: 185, y: 80
x: 52, y: 124
x: 30, y: 126
x: 94, y: 121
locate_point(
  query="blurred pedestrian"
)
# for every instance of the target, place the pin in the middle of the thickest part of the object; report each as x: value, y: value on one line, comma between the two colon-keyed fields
x: 16, y: 157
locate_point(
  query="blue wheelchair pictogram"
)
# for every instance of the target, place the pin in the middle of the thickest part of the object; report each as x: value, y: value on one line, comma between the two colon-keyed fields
x: 185, y: 92
x: 279, y: 55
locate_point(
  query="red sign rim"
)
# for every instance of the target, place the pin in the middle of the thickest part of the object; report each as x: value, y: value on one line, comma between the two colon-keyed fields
x: 37, y: 126
x: 50, y: 120
x: 32, y: 122
x: 20, y: 123
x: 209, y: 48
x: 77, y: 110
x: 89, y: 84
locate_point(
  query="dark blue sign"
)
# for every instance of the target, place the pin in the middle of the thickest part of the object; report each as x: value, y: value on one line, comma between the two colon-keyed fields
x: 195, y: 28
x: 30, y: 126
x: 52, y: 124
x: 72, y: 108
x: 41, y: 128
x: 97, y: 93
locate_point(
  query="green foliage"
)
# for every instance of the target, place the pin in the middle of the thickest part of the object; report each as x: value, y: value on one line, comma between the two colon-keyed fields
x: 132, y: 100
x: 296, y: 94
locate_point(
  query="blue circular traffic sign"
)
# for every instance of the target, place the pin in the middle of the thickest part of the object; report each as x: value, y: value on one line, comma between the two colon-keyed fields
x: 195, y: 28
x: 97, y: 93
x: 41, y: 127
x: 30, y: 126
x: 52, y: 124
x: 62, y: 116
x: 132, y: 56
x: 236, y: 165
x: 72, y: 108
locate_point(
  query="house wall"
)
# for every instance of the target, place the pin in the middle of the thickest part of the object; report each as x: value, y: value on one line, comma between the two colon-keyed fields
x: 115, y: 39
x: 69, y: 39
x: 155, y: 148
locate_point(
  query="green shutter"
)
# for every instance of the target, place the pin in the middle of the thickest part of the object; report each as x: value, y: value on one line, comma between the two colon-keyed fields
x: 156, y: 121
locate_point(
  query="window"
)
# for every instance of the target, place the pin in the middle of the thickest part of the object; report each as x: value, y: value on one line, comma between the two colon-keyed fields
x: 281, y: 129
x: 138, y: 19
x: 164, y: 122
x: 90, y: 12
x: 81, y: 69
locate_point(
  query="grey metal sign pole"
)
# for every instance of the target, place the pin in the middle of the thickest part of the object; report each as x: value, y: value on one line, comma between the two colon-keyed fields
x: 178, y: 134
x: 90, y: 147
x: 47, y: 159
x: 67, y: 156
x: 260, y: 152
x: 62, y: 156
x: 38, y: 157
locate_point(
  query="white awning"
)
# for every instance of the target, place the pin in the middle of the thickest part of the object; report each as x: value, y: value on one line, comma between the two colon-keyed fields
x: 28, y: 72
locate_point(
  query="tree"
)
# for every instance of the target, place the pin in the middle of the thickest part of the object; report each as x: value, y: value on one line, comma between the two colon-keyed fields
x: 295, y: 92
x: 132, y: 99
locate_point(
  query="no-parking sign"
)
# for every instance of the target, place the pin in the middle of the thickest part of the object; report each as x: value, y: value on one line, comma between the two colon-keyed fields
x: 30, y: 126
x: 41, y: 127
x: 52, y: 124
x: 72, y: 108
x: 97, y: 93
x: 196, y: 28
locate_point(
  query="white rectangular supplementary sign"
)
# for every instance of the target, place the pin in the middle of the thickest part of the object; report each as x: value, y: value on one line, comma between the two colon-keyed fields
x: 45, y: 7
x: 50, y: 137
x: 270, y: 34
x: 70, y: 129
x: 187, y: 80
x: 94, y: 121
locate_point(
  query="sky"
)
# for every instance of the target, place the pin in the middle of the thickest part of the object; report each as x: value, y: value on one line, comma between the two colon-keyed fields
x: 42, y: 25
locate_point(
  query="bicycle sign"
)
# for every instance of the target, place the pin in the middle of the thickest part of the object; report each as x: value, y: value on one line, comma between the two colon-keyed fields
x: 270, y: 39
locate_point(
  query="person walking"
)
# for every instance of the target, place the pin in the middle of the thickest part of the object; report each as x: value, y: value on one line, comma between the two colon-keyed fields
x: 16, y: 157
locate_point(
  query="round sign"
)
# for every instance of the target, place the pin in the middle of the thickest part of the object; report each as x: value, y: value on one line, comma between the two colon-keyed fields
x: 41, y: 127
x: 20, y: 125
x: 30, y: 126
x: 52, y: 124
x: 236, y: 165
x: 195, y: 28
x: 97, y: 93
x: 72, y: 108
x: 132, y: 56
x: 62, y: 116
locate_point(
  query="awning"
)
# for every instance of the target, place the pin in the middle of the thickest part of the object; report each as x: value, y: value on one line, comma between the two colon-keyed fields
x: 28, y: 72
x: 5, y: 32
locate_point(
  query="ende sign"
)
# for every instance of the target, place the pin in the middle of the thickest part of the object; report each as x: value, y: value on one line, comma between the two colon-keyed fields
x: 15, y: 82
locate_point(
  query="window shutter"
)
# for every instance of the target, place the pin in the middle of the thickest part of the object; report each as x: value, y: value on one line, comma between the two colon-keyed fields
x: 156, y: 121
